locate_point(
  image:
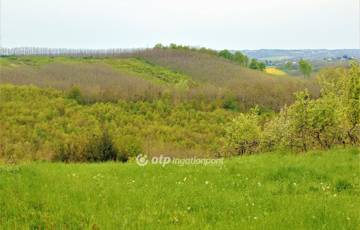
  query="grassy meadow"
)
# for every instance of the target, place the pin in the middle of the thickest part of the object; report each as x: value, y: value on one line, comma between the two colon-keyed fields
x: 315, y: 190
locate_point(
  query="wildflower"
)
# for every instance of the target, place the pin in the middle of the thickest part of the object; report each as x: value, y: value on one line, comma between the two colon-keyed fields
x: 206, y: 182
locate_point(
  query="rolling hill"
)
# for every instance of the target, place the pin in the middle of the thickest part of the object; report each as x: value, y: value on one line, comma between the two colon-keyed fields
x: 149, y: 74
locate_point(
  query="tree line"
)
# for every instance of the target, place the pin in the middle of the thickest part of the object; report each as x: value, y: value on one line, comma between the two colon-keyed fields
x: 35, y: 51
x: 236, y: 56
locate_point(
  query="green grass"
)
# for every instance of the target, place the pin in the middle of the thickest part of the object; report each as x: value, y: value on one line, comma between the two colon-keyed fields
x: 318, y: 190
x: 149, y: 71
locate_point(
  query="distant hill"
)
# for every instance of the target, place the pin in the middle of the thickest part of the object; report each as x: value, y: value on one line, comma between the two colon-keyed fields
x: 310, y: 54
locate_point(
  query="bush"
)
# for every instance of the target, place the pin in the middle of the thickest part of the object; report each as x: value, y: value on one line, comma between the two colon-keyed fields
x: 299, y: 121
x: 243, y: 134
x: 324, y: 122
x: 98, y: 148
x: 129, y: 146
x: 71, y: 150
x: 230, y: 103
x: 103, y: 149
x: 275, y: 135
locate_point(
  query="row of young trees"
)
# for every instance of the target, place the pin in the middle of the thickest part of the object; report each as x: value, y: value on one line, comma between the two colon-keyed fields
x: 37, y: 51
x: 332, y: 119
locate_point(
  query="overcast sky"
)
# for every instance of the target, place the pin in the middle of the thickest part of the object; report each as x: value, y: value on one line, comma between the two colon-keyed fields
x: 232, y: 24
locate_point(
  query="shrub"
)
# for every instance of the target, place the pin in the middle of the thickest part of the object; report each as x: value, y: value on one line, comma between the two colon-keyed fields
x: 72, y: 149
x: 324, y: 122
x: 275, y: 135
x: 97, y: 148
x: 103, y: 149
x: 230, y: 103
x: 243, y: 134
x: 128, y: 146
x: 299, y: 121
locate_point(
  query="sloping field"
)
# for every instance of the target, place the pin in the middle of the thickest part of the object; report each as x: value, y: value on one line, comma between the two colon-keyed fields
x: 318, y: 190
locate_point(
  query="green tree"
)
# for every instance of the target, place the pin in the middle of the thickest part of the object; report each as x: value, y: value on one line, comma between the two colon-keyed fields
x: 159, y: 46
x: 255, y: 64
x: 240, y: 58
x: 305, y: 68
x: 226, y: 54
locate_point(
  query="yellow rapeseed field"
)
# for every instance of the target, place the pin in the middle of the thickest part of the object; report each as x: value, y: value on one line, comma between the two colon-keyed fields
x: 275, y: 71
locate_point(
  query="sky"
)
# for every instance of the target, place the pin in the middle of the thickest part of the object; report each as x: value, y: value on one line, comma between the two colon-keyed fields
x: 230, y: 24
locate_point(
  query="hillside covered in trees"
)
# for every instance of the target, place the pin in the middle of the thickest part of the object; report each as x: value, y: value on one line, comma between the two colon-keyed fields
x: 175, y: 100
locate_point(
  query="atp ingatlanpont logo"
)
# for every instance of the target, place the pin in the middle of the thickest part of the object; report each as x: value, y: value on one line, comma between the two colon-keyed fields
x: 143, y: 160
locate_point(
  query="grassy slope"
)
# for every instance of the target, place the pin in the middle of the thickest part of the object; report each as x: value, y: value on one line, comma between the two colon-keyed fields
x: 151, y: 72
x: 269, y: 191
